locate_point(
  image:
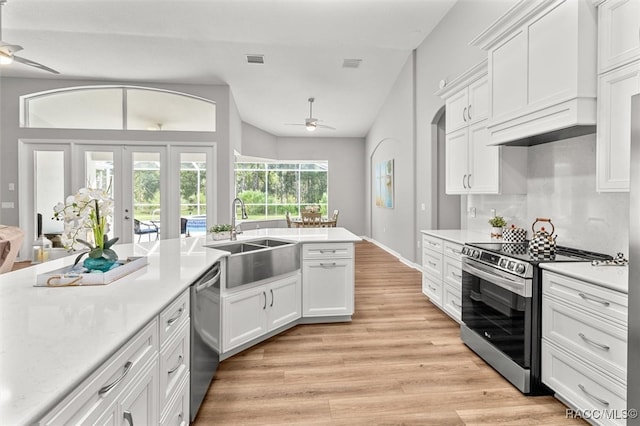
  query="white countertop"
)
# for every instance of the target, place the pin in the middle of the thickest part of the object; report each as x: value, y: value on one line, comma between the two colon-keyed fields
x: 462, y: 236
x: 613, y: 277
x: 53, y: 338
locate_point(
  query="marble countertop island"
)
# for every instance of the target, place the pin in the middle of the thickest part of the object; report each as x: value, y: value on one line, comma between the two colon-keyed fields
x: 51, y: 339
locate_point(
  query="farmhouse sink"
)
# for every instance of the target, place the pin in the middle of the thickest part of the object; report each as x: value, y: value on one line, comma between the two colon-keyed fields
x: 256, y: 260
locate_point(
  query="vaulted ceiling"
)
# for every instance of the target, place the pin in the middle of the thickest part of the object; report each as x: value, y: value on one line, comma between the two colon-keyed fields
x: 304, y: 43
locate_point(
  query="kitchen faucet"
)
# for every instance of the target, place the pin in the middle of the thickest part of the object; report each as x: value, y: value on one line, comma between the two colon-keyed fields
x: 233, y: 217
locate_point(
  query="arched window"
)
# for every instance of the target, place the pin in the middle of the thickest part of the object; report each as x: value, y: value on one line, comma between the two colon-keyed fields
x: 118, y: 108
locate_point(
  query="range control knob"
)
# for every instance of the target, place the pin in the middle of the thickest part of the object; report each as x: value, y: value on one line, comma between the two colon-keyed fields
x: 475, y: 254
x: 520, y: 268
x: 464, y: 250
x: 503, y: 263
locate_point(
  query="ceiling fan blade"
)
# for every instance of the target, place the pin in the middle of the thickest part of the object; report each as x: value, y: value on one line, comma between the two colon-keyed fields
x: 324, y: 126
x: 34, y: 64
x: 294, y: 124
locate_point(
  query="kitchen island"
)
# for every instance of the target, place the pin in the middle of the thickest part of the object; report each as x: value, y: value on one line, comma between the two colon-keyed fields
x: 54, y: 338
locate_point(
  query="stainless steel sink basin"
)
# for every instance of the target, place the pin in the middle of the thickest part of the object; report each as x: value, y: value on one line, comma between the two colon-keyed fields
x: 256, y: 260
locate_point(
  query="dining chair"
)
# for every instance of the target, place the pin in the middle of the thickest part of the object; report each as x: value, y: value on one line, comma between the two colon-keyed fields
x: 334, y: 218
x: 288, y: 216
x: 141, y: 228
x: 310, y: 219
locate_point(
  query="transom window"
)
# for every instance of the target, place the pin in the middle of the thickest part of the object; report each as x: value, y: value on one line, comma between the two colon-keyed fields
x: 118, y: 108
x: 270, y: 189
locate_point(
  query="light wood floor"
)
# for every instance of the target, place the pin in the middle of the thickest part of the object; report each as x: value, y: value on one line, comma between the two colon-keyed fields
x: 400, y: 361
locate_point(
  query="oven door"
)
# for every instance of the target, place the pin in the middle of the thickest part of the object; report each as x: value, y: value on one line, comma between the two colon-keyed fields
x: 497, y: 307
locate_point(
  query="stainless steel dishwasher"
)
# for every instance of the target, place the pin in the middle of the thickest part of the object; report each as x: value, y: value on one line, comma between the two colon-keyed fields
x: 205, y: 334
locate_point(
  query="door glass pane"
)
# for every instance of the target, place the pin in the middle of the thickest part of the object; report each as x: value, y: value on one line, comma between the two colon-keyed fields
x: 99, y: 174
x: 49, y: 181
x: 146, y: 195
x: 193, y: 185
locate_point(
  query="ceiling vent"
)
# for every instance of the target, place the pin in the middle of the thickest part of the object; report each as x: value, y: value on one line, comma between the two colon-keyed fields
x: 255, y: 59
x: 351, y: 63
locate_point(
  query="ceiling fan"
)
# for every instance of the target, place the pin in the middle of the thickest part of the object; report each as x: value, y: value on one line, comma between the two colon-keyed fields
x: 311, y: 123
x: 7, y: 52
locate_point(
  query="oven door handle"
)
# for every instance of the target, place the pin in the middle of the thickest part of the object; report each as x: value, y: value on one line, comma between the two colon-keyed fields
x: 511, y: 285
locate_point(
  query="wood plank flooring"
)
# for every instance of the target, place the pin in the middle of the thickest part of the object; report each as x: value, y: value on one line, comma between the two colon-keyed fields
x: 400, y: 361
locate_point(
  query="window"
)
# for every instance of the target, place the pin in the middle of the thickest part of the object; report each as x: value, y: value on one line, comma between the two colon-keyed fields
x: 118, y: 108
x: 270, y: 189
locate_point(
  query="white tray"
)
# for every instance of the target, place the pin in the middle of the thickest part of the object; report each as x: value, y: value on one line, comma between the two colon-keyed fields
x: 64, y: 277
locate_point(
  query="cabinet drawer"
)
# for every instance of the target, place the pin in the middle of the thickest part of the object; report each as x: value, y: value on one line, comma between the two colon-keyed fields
x: 452, y: 301
x: 592, y: 298
x: 432, y: 288
x: 328, y: 250
x: 453, y: 272
x: 597, y: 340
x: 174, y: 364
x: 96, y: 394
x: 453, y: 250
x: 177, y: 413
x: 432, y: 263
x: 581, y: 386
x: 432, y: 243
x: 173, y: 316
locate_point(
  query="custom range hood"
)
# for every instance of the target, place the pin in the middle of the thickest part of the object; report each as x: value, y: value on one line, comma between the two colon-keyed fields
x: 542, y: 72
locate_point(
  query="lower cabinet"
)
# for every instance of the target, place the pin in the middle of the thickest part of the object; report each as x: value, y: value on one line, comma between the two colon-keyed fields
x: 328, y: 280
x: 177, y: 413
x: 251, y: 313
x: 442, y: 274
x: 135, y: 386
x: 584, y: 346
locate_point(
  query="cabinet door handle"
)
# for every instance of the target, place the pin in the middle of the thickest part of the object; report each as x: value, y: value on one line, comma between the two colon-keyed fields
x: 271, y: 290
x: 592, y: 343
x: 456, y: 275
x: 592, y: 396
x: 170, y: 321
x: 469, y: 181
x: 327, y: 251
x: 464, y: 114
x: 108, y: 387
x: 464, y: 184
x: 128, y: 417
x: 328, y: 265
x: 180, y: 418
x: 469, y: 113
x: 592, y: 299
x: 265, y: 300
x: 173, y: 370
x: 434, y: 264
x: 432, y: 243
x: 456, y: 304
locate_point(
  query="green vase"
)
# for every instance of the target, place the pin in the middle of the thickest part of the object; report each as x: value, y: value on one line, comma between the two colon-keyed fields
x: 98, y: 264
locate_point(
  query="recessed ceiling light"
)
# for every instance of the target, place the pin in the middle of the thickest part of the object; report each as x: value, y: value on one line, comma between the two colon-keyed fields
x: 351, y: 63
x: 255, y: 59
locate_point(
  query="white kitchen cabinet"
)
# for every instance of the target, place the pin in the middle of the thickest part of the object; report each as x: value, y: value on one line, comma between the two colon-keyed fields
x: 584, y: 344
x: 128, y: 388
x: 542, y: 69
x: 618, y: 33
x: 618, y: 80
x: 251, y: 313
x: 614, y: 123
x: 471, y: 165
x: 177, y: 413
x: 328, y: 279
x: 442, y: 274
x: 468, y: 106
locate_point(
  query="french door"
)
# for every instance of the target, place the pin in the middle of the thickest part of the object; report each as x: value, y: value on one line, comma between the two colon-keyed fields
x: 159, y: 190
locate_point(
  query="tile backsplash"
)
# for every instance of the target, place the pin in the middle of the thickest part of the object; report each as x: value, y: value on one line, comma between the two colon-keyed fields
x: 561, y: 185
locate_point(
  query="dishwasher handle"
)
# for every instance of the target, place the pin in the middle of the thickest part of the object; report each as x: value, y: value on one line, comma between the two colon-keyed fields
x: 200, y: 286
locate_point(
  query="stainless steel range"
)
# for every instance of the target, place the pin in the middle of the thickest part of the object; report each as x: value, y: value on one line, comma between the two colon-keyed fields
x: 501, y: 307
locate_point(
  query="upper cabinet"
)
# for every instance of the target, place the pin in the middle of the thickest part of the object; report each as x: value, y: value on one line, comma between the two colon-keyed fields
x: 471, y: 165
x: 618, y: 80
x: 541, y: 71
x: 618, y: 33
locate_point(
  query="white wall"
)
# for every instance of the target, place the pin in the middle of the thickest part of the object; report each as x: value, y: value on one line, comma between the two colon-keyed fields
x: 258, y: 143
x: 392, y: 137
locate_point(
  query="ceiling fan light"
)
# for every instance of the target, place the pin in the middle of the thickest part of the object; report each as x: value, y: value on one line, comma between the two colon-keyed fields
x: 311, y: 126
x: 5, y: 59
